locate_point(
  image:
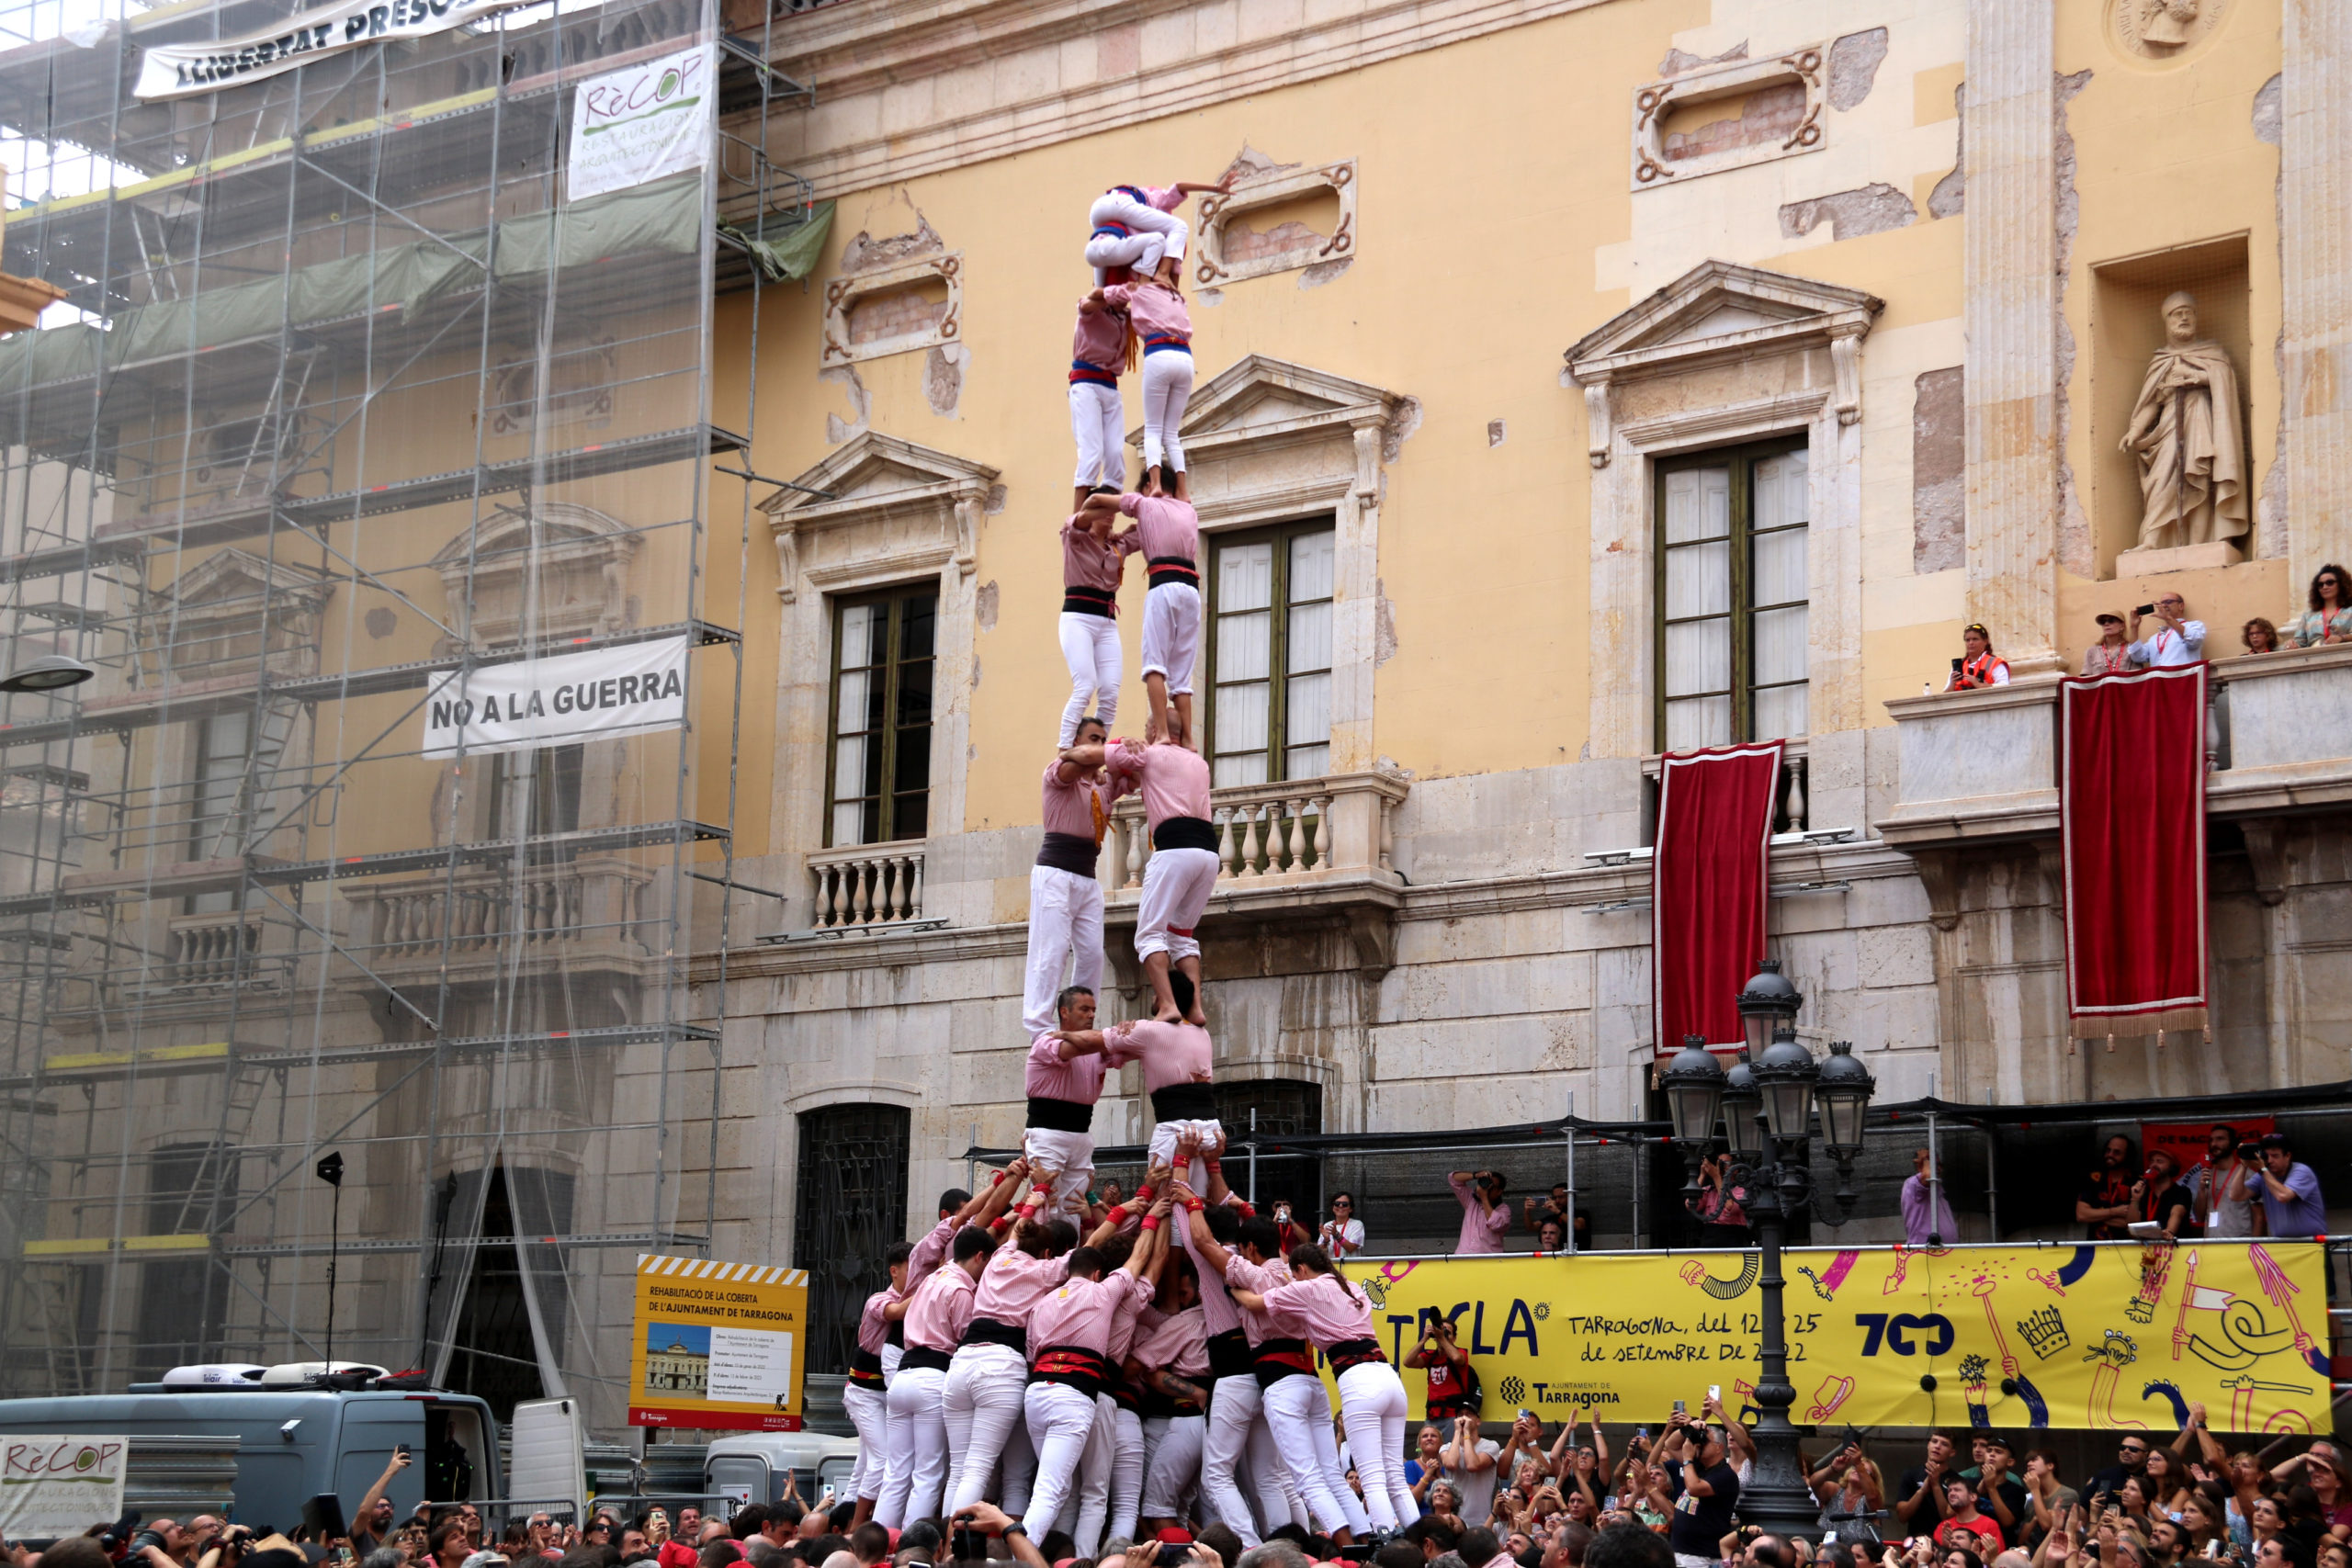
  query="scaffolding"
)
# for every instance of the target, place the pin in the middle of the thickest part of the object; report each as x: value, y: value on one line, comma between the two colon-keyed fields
x: 352, y: 400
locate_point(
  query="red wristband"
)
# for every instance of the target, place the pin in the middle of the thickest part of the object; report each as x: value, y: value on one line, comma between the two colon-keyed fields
x: 1028, y: 1209
x: 1197, y: 1205
x: 1143, y: 1195
x: 998, y: 1180
x: 1118, y: 1217
x: 1151, y: 1221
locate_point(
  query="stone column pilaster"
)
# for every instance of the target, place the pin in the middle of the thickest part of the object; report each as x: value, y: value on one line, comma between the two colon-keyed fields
x: 2011, y: 321
x: 2316, y: 256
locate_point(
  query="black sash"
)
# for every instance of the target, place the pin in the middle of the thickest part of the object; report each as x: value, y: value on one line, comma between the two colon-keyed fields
x: 1060, y: 1116
x: 988, y: 1331
x: 1184, y: 1102
x: 1280, y: 1358
x: 1181, y: 834
x: 865, y: 1369
x: 1080, y: 599
x: 1089, y: 1371
x: 919, y: 1356
x: 1167, y: 570
x: 1351, y: 1353
x: 1229, y: 1355
x: 896, y: 1333
x: 1073, y: 852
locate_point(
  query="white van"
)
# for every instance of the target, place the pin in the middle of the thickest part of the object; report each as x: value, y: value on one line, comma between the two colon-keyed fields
x: 751, y: 1466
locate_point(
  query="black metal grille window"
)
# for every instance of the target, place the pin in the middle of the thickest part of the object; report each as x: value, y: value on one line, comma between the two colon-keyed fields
x: 850, y: 1205
x: 182, y: 1302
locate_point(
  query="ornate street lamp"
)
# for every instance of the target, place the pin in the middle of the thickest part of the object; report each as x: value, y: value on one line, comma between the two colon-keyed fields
x: 49, y: 672
x: 1768, y: 1101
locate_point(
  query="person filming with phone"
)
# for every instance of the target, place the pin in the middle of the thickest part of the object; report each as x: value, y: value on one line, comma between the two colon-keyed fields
x: 1978, y: 668
x: 2222, y: 1187
x: 1703, y: 1487
x: 2173, y: 640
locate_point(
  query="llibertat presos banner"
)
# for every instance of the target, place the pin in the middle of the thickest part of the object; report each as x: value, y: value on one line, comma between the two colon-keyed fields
x: 599, y: 695
x: 177, y: 70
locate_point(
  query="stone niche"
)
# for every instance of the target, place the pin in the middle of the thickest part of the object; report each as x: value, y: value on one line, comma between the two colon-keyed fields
x: 2127, y: 327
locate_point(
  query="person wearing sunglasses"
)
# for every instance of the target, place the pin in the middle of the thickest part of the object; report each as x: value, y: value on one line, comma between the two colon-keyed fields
x: 2131, y: 1455
x: 1341, y: 1236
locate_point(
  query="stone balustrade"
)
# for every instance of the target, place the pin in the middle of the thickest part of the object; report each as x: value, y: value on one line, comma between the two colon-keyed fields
x: 868, y: 885
x: 1304, y: 830
x: 548, y: 910
x: 218, y: 950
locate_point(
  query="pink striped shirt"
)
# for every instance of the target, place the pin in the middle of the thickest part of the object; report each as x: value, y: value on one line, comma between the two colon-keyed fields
x: 1156, y: 310
x: 1173, y: 779
x: 1482, y: 1229
x: 1170, y: 1052
x: 1216, y: 1307
x: 1091, y: 562
x: 873, y: 1328
x: 1320, y: 1309
x: 1123, y: 1326
x: 1080, y: 1312
x: 1164, y: 525
x: 1066, y: 807
x: 1046, y: 1076
x: 930, y: 1252
x: 1243, y: 1275
x: 940, y: 1309
x: 1101, y: 339
x: 1177, y: 1342
x: 1014, y: 1282
x: 1168, y: 198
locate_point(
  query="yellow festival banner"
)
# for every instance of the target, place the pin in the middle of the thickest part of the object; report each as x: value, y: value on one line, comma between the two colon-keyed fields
x: 718, y: 1345
x: 2016, y: 1336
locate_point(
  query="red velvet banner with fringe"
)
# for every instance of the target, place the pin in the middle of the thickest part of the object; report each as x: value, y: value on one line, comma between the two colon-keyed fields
x: 2132, y: 788
x: 1709, y: 883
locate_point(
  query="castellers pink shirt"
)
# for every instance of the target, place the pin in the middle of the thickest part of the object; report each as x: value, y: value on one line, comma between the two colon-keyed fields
x: 1320, y: 1309
x: 1174, y: 780
x: 1080, y: 1312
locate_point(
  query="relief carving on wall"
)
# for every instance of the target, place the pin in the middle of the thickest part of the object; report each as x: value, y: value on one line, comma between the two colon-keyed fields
x: 2164, y: 29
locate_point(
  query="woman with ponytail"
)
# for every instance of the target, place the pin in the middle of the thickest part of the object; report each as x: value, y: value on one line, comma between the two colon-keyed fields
x: 1319, y: 1306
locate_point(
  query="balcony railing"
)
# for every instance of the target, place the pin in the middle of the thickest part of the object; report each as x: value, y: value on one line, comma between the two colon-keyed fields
x: 866, y: 884
x: 477, y: 913
x: 219, y: 950
x: 1304, y: 830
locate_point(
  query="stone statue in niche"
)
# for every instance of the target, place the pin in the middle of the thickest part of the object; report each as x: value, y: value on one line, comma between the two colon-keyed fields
x: 2190, y: 444
x: 2165, y: 23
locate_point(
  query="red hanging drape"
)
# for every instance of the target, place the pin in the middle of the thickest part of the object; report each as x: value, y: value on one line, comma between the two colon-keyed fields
x: 2132, y: 803
x: 1709, y: 883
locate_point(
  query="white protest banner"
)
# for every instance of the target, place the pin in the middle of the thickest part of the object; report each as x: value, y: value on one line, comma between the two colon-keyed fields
x: 51, y: 1487
x: 177, y: 70
x: 629, y: 127
x: 531, y: 703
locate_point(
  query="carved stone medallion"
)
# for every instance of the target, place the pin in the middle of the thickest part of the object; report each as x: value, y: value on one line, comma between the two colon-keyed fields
x: 2164, y: 29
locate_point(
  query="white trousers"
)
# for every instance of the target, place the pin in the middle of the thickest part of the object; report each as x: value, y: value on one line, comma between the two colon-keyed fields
x: 1167, y: 388
x: 1065, y: 938
x: 982, y: 1405
x: 1071, y: 1155
x: 917, y: 1473
x: 1097, y: 665
x: 1235, y: 1427
x: 1164, y: 1136
x: 1101, y: 426
x: 1176, y: 888
x: 1175, y: 1465
x: 1299, y: 1411
x: 1171, y: 634
x: 1060, y: 1420
x: 871, y: 1416
x: 1124, y: 1437
x: 1371, y: 1408
x: 1152, y: 234
x: 891, y: 1355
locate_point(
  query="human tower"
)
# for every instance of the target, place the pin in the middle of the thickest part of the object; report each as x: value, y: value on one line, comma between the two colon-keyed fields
x: 1162, y: 1370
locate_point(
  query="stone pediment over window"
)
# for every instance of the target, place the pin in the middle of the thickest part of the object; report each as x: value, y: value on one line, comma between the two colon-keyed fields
x: 579, y: 556
x: 223, y: 608
x: 911, y: 508
x: 1719, y: 312
x: 1258, y: 405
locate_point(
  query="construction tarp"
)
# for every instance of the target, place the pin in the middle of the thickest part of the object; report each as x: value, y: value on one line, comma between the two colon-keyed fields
x: 665, y: 216
x: 787, y: 255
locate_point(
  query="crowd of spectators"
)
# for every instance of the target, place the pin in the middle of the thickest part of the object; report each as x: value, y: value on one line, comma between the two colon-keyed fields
x: 2244, y: 1187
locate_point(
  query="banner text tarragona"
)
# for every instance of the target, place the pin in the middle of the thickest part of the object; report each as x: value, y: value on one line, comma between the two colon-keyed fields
x: 2015, y: 1336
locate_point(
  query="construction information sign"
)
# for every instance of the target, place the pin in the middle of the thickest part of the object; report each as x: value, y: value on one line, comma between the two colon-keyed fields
x: 718, y: 1345
x: 56, y: 1486
x: 599, y: 695
x: 629, y: 127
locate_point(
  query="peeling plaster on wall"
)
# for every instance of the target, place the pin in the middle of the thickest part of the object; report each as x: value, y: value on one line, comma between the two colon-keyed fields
x: 1401, y: 428
x: 2271, y: 511
x: 1676, y: 63
x: 861, y: 404
x: 976, y: 686
x: 1321, y: 273
x: 1497, y: 429
x: 1873, y: 210
x: 1209, y: 297
x: 993, y: 502
x: 1951, y: 195
x: 984, y: 606
x: 1854, y: 60
x: 942, y: 377
x: 864, y: 252
x: 1383, y: 629
x: 2078, y: 551
x: 1251, y: 165
x: 1939, y: 470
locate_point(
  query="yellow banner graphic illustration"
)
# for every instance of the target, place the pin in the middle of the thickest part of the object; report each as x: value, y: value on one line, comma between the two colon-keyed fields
x: 2015, y: 1336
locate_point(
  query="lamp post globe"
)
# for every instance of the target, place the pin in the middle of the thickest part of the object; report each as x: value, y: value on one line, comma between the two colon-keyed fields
x: 1785, y: 1075
x: 1767, y: 1003
x: 1843, y: 1090
x: 1743, y: 1100
x: 49, y: 672
x: 1693, y: 1082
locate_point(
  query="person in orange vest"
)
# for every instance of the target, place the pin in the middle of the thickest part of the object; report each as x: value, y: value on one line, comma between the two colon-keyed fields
x: 1979, y: 668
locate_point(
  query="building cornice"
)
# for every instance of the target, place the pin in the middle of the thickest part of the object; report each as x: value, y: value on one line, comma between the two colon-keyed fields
x: 865, y: 61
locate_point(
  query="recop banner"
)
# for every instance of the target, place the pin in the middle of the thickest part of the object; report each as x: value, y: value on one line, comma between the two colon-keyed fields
x: 61, y: 1486
x: 718, y: 1345
x: 2059, y: 1335
x: 654, y: 119
x: 519, y: 706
